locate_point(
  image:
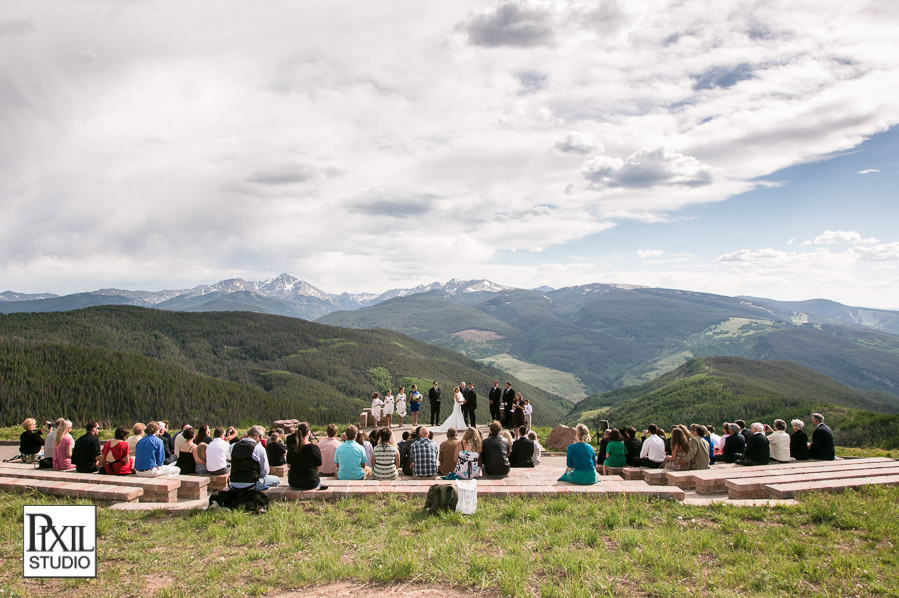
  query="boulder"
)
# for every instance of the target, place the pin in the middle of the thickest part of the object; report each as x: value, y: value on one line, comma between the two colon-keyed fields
x: 560, y: 438
x: 288, y: 425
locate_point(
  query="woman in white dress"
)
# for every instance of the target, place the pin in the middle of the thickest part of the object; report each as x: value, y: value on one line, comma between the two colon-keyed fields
x: 401, y: 405
x: 376, y: 404
x: 456, y: 419
x: 388, y: 408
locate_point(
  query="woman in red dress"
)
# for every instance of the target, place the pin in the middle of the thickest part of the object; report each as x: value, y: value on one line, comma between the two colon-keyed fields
x: 115, y: 454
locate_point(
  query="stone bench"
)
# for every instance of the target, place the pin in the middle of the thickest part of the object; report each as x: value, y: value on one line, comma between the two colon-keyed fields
x: 98, y: 492
x: 756, y: 487
x: 155, y: 489
x: 711, y: 481
x: 217, y: 482
x: 278, y: 470
x: 193, y: 487
x: 656, y: 477
x: 609, y: 470
x: 791, y: 490
x: 633, y: 473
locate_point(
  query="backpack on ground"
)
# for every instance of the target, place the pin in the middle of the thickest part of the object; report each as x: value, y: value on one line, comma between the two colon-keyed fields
x: 441, y: 497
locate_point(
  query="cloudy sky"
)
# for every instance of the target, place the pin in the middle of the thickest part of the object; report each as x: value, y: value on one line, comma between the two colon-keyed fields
x: 732, y: 147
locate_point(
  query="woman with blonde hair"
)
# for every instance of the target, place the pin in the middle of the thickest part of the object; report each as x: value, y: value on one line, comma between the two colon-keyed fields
x: 30, y: 442
x: 580, y: 459
x: 468, y: 455
x: 62, y: 453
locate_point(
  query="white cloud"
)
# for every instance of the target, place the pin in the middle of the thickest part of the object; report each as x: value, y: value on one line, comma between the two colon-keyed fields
x: 834, y: 237
x: 363, y: 144
x: 647, y: 253
x: 867, y: 171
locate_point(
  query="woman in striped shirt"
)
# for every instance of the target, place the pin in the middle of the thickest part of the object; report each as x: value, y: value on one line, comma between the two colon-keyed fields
x: 386, y: 455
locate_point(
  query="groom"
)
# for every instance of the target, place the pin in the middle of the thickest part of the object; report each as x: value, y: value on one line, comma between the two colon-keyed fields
x: 470, y: 406
x: 434, y: 398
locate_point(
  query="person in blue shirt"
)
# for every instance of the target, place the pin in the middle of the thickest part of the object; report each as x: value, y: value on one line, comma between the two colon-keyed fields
x: 249, y: 463
x: 581, y: 459
x: 350, y: 458
x: 149, y: 455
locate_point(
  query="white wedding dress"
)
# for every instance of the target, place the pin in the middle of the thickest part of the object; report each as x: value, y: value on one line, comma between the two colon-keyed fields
x: 456, y: 419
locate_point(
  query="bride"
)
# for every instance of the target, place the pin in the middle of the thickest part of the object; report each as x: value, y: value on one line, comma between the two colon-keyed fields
x: 456, y: 419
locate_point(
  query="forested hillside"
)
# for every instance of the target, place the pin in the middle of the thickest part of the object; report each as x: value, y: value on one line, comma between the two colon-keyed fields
x: 713, y: 390
x: 301, y: 369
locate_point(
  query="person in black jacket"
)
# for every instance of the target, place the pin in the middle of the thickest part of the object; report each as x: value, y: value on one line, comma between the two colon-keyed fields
x: 495, y: 453
x: 822, y: 446
x: 470, y: 406
x: 734, y: 445
x: 633, y: 445
x: 508, y: 403
x: 495, y: 397
x: 86, y: 451
x: 522, y: 450
x: 601, y: 454
x: 758, y: 450
x: 434, y: 399
x: 30, y: 442
x: 798, y: 441
x: 746, y: 432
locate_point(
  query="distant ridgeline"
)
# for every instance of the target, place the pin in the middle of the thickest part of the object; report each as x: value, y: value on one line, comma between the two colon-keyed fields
x: 713, y: 390
x: 121, y: 364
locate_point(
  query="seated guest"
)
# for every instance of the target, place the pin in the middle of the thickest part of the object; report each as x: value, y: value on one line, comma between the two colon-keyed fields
x: 400, y: 444
x: 137, y: 432
x: 447, y: 452
x: 200, y: 457
x: 362, y: 439
x: 405, y: 462
x: 616, y: 452
x: 698, y: 451
x: 798, y: 441
x: 758, y: 451
x: 601, y: 455
x: 522, y: 453
x: 328, y: 446
x: 822, y: 445
x: 352, y: 464
x: 218, y: 451
x: 86, y: 452
x: 538, y: 448
x: 168, y: 445
x: 423, y: 455
x: 386, y: 455
x: 680, y: 448
x: 116, y: 458
x: 276, y: 450
x: 178, y: 439
x: 62, y: 452
x: 30, y: 442
x: 202, y: 435
x: 734, y: 444
x: 149, y: 457
x: 186, y: 453
x: 779, y: 441
x: 581, y: 459
x: 725, y: 432
x: 495, y: 453
x: 746, y: 432
x: 305, y: 461
x: 652, y: 454
x: 468, y: 455
x: 633, y: 444
x: 714, y: 438
x: 665, y: 440
x: 249, y: 463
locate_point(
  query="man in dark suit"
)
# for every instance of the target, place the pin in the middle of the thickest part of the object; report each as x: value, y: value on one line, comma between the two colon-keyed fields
x: 495, y: 396
x: 821, y: 446
x: 746, y: 432
x: 434, y: 399
x: 470, y: 406
x: 758, y: 449
x: 734, y: 444
x: 633, y: 445
x: 508, y: 401
x: 522, y: 454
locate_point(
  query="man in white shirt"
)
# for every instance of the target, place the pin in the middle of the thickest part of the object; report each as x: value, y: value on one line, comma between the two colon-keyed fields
x: 716, y: 440
x: 218, y: 451
x: 652, y: 454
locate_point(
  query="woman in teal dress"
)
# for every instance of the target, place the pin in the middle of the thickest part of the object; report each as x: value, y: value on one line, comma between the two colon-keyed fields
x: 581, y: 459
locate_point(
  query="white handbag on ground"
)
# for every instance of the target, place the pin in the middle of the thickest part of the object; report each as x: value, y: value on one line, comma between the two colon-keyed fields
x: 468, y: 496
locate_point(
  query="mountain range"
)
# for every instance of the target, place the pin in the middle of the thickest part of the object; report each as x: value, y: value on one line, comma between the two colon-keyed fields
x: 574, y: 341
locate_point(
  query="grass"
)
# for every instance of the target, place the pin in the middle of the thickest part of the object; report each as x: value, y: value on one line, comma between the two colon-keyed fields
x: 845, y: 451
x: 828, y: 545
x: 558, y: 382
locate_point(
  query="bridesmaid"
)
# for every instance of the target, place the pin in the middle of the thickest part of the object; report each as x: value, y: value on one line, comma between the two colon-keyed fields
x: 376, y: 404
x: 401, y: 405
x: 388, y: 408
